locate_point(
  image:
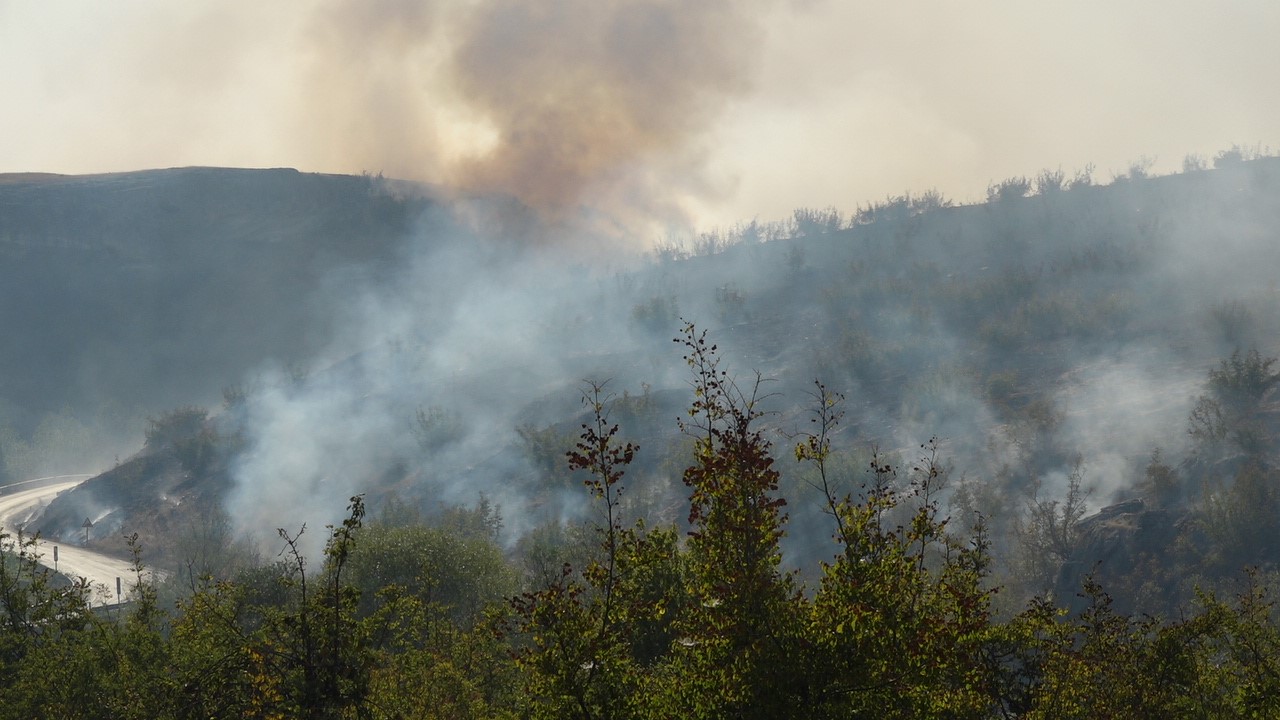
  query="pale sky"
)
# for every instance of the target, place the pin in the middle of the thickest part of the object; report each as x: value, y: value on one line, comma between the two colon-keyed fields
x: 711, y: 110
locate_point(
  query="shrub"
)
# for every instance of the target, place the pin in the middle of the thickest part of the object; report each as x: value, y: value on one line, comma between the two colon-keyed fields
x: 187, y: 434
x: 1050, y: 181
x: 892, y: 209
x: 658, y: 313
x: 1008, y: 189
x: 1082, y: 179
x: 810, y: 222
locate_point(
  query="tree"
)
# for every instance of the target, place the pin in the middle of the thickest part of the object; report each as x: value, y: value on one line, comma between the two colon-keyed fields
x: 34, y: 610
x: 82, y: 664
x: 460, y: 576
x: 900, y: 624
x: 737, y: 655
x: 590, y: 634
x: 1050, y: 533
x: 302, y: 653
x: 1228, y: 411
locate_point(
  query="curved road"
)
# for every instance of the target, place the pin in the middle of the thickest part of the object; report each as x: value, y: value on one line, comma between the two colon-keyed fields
x: 101, y: 571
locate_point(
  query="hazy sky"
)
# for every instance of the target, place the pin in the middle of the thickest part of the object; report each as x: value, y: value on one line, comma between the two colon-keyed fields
x: 715, y: 110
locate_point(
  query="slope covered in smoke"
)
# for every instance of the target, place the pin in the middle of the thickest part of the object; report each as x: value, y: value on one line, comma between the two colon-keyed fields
x: 1051, y: 338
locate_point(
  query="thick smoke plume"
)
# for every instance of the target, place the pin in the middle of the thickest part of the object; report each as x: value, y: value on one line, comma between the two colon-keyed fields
x: 564, y: 105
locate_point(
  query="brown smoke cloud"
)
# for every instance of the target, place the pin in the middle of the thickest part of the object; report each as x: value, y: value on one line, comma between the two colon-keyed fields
x: 592, y: 97
x: 598, y: 103
x: 368, y: 91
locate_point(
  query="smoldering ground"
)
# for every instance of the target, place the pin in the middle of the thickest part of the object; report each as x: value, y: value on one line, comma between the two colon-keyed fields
x: 1093, y: 363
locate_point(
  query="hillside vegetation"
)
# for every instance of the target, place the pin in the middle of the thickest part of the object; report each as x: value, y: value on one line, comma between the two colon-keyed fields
x: 405, y: 619
x: 924, y: 460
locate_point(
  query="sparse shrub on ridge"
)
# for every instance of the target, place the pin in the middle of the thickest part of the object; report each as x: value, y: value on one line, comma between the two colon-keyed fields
x: 1008, y: 189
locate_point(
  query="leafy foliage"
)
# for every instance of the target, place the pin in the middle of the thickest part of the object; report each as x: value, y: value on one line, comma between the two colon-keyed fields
x: 700, y: 621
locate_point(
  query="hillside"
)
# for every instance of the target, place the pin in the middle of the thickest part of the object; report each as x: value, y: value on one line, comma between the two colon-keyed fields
x: 1055, y: 336
x: 123, y: 295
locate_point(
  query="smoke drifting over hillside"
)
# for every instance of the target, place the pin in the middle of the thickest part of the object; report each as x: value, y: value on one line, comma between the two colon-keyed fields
x: 471, y: 333
x: 1027, y: 334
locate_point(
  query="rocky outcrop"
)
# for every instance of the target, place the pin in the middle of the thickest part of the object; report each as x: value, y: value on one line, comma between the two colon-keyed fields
x: 1124, y: 546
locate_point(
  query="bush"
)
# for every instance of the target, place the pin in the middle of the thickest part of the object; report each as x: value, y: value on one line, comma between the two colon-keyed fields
x: 670, y: 250
x: 1240, y: 381
x: 462, y: 575
x: 730, y: 303
x: 658, y: 313
x: 1139, y: 169
x: 1082, y: 179
x: 893, y: 209
x: 186, y: 434
x: 174, y: 425
x: 1237, y: 154
x: 1008, y: 189
x: 1235, y: 322
x: 927, y: 201
x: 1050, y: 181
x: 810, y: 222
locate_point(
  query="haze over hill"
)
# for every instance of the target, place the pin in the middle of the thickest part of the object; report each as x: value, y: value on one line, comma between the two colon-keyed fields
x: 348, y: 337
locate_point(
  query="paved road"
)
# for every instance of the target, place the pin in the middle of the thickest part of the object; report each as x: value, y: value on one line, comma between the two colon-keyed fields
x: 100, y: 570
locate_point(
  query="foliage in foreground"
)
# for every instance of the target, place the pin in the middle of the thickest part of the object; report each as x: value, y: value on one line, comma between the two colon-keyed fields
x: 406, y: 621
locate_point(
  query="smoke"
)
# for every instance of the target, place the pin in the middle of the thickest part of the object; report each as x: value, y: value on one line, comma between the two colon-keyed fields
x: 599, y: 102
x: 1118, y: 409
x: 565, y: 105
x: 313, y: 445
x: 371, y: 90
x: 477, y: 336
x: 589, y: 112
